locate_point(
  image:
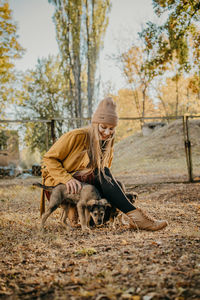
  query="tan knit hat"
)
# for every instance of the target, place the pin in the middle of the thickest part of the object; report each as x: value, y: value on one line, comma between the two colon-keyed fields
x: 106, y: 112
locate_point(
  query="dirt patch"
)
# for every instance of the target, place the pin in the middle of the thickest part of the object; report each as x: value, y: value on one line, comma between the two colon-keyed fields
x: 108, y: 264
x: 15, y: 181
x: 159, y: 157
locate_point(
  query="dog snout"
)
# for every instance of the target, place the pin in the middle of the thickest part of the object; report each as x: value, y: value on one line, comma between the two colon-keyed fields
x: 100, y: 221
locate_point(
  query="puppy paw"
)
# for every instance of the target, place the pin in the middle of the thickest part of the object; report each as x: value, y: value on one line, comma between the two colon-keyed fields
x: 86, y: 229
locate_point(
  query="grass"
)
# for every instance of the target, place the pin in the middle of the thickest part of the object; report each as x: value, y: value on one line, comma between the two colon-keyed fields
x: 107, y: 264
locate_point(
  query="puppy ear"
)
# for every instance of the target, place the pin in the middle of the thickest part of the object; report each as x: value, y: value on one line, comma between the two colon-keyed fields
x: 90, y: 204
x: 135, y: 195
x: 104, y: 202
x: 132, y: 197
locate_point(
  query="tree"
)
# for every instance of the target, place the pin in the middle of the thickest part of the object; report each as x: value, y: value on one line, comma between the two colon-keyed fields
x: 127, y: 109
x: 138, y: 74
x: 195, y: 43
x: 80, y: 26
x: 169, y: 44
x: 67, y: 19
x: 96, y: 24
x: 167, y: 94
x: 44, y: 94
x: 171, y: 38
x: 10, y: 50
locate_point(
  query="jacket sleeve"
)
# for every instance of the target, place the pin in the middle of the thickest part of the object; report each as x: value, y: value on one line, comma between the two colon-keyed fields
x: 65, y: 145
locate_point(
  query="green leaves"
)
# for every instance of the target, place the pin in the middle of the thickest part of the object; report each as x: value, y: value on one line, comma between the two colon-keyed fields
x: 44, y: 96
x: 172, y: 39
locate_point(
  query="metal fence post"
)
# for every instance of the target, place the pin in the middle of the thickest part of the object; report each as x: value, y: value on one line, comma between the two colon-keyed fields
x: 53, y: 135
x: 188, y: 149
x: 47, y: 136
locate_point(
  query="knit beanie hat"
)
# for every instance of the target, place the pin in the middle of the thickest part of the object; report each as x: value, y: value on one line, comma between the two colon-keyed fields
x: 106, y: 112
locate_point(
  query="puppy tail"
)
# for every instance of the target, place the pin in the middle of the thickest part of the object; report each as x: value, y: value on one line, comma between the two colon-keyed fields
x: 42, y: 186
x: 42, y: 203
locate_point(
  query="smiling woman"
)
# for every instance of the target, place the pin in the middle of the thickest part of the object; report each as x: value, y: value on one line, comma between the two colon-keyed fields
x: 85, y: 155
x: 106, y: 131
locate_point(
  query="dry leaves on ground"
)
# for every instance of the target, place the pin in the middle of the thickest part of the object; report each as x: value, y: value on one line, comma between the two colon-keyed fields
x: 107, y: 264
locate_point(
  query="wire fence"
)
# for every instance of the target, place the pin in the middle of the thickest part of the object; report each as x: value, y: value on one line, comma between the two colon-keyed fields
x: 163, y: 148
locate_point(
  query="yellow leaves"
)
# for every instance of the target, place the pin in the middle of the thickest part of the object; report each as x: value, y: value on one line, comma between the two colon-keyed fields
x: 187, y: 100
x: 127, y: 296
x: 136, y: 297
x: 86, y: 294
x: 198, y: 209
x: 45, y: 264
x: 5, y: 11
x: 86, y: 252
x: 148, y: 41
x: 124, y: 242
x: 9, y: 48
x: 129, y: 104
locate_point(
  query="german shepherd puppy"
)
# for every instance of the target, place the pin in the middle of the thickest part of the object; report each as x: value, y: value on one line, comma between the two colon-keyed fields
x: 112, y: 215
x: 88, y: 201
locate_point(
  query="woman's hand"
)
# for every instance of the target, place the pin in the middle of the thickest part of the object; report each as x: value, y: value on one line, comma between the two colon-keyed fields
x: 73, y: 186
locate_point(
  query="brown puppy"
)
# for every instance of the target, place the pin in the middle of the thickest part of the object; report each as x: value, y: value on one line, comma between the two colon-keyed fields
x: 95, y: 212
x: 89, y: 204
x: 111, y: 215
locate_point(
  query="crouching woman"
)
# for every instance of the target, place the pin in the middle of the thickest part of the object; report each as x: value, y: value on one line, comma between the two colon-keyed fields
x: 85, y: 155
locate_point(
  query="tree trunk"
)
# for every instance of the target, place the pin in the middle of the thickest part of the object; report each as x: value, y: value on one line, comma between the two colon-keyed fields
x: 177, y: 96
x: 143, y: 101
x: 164, y: 107
x: 137, y: 104
x: 77, y: 51
x: 91, y: 55
x: 89, y: 94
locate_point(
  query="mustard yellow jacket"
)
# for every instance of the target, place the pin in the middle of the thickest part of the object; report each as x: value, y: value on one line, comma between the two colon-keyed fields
x: 67, y: 156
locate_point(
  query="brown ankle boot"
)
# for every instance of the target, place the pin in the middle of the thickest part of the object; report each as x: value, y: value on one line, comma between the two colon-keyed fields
x: 140, y: 220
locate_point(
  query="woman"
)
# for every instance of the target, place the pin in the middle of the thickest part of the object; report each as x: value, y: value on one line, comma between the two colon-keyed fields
x: 85, y: 154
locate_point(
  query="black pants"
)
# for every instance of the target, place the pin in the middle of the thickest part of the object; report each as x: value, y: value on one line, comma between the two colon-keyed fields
x: 110, y: 189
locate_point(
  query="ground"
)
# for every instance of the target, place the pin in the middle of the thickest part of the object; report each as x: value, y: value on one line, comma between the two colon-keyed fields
x: 158, y: 157
x: 108, y: 263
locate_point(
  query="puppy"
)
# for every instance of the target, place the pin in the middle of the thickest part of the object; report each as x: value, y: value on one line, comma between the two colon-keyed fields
x: 111, y: 215
x: 96, y: 211
x: 88, y: 201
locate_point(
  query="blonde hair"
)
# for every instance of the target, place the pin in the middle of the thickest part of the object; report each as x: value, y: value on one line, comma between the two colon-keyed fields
x: 99, y: 155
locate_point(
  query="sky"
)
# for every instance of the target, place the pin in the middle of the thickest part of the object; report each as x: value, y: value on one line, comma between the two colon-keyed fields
x: 36, y: 33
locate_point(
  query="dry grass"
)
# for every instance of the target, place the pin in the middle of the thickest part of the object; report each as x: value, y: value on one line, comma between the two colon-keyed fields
x: 159, y: 157
x: 107, y: 264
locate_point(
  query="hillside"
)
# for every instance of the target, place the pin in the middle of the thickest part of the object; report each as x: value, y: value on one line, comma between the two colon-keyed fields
x: 160, y: 155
